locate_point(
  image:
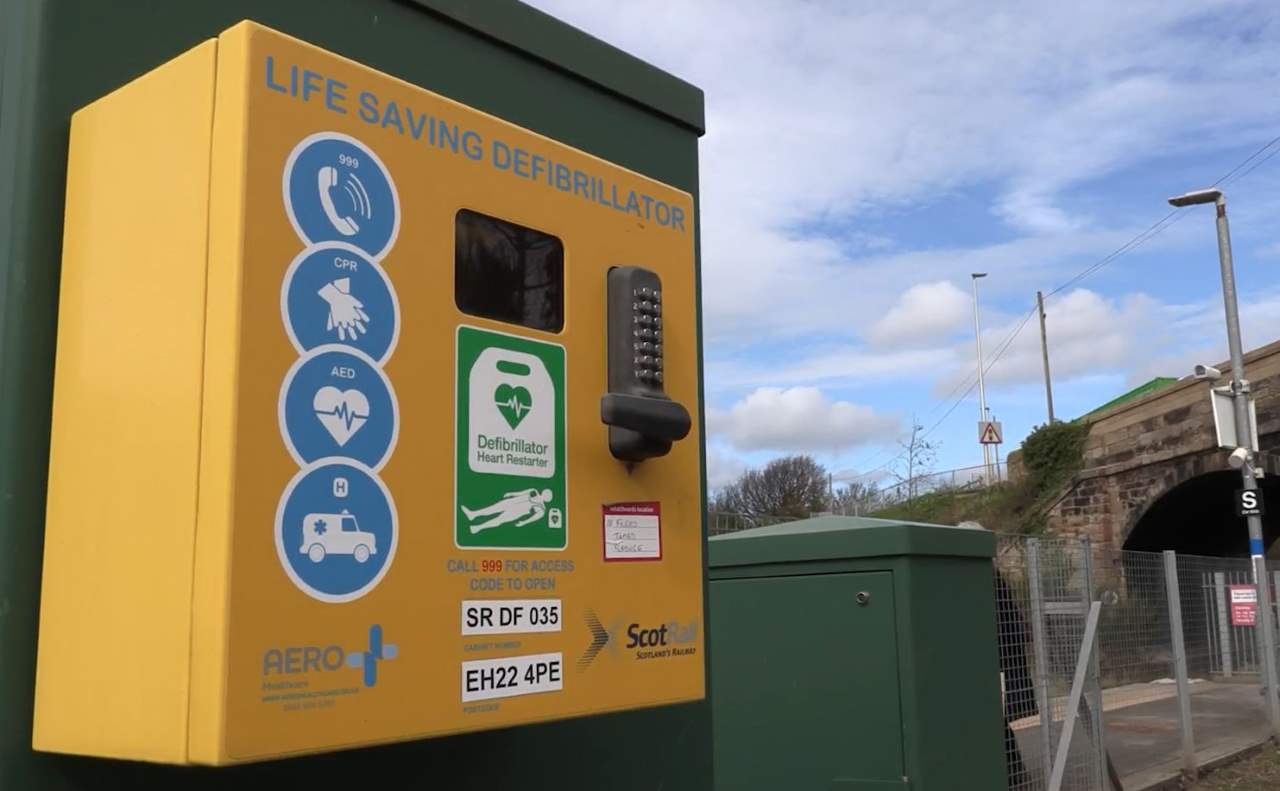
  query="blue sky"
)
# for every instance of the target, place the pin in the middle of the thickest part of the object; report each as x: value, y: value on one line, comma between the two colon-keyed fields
x: 863, y: 158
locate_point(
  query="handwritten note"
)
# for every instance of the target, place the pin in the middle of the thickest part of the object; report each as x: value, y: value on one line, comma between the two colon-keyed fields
x: 633, y: 531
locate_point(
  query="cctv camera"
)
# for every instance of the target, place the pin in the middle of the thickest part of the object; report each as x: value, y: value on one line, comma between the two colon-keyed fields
x: 1238, y: 458
x: 1207, y: 372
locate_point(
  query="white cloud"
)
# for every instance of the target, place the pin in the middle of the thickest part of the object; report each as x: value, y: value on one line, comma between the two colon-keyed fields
x: 1201, y: 331
x: 924, y: 312
x: 822, y: 114
x: 1088, y: 334
x: 797, y: 419
x: 722, y: 469
x: 852, y: 367
x: 859, y: 155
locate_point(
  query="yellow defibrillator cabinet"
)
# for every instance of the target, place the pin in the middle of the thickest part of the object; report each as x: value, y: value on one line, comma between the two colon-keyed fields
x: 375, y: 419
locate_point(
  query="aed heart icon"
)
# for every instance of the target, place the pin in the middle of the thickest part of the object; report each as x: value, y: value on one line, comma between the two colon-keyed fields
x: 514, y: 402
x: 341, y: 412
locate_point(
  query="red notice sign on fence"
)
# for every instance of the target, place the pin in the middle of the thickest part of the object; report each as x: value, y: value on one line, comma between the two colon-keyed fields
x: 1244, y: 605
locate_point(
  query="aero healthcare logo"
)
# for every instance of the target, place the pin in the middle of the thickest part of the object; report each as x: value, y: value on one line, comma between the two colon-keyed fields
x: 378, y: 651
x: 298, y: 660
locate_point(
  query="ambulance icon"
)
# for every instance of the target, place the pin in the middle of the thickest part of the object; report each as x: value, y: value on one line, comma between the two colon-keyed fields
x: 336, y: 534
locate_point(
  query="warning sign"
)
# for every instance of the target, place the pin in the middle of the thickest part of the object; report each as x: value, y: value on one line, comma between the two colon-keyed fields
x: 990, y: 432
x: 1244, y: 605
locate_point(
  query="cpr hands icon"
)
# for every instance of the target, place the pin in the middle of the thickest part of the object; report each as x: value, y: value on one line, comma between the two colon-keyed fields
x: 346, y: 313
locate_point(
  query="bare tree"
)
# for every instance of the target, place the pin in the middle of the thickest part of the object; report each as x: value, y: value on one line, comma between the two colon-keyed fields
x: 794, y: 486
x: 856, y: 499
x: 917, y: 459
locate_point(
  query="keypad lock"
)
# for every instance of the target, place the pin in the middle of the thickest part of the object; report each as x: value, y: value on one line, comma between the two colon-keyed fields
x: 643, y: 421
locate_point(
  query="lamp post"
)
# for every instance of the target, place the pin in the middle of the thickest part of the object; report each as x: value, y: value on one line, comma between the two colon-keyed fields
x: 982, y: 389
x: 1244, y: 439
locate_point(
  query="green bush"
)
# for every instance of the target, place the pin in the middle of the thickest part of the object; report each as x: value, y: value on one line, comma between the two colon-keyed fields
x: 1052, y: 453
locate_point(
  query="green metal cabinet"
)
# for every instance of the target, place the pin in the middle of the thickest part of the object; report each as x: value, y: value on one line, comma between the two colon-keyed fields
x: 855, y: 655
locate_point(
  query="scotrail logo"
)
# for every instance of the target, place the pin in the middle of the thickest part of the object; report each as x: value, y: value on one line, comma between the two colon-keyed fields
x: 646, y: 641
x: 299, y: 659
x: 368, y: 660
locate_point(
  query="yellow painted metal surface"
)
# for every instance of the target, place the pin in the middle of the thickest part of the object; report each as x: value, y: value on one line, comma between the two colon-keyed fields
x: 115, y: 615
x: 312, y: 504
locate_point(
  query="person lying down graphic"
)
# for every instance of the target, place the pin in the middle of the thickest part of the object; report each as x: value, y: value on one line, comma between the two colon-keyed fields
x: 522, y: 507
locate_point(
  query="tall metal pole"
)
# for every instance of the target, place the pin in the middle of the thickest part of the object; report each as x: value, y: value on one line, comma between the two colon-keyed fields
x: 995, y: 454
x: 1244, y: 439
x: 982, y: 388
x: 1044, y: 352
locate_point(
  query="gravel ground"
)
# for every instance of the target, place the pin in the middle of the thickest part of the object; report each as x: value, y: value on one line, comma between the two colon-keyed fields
x: 1260, y: 772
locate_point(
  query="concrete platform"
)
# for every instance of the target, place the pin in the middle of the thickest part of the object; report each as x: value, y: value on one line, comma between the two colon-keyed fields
x: 1143, y: 736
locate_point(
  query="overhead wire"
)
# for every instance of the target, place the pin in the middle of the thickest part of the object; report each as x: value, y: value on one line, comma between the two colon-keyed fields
x: 971, y: 381
x: 1150, y: 232
x: 1256, y: 165
x: 1222, y: 179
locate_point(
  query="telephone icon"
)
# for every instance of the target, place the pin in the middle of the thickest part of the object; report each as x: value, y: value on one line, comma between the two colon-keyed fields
x: 326, y: 182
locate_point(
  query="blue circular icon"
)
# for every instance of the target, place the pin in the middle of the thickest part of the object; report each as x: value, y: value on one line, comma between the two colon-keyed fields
x: 336, y: 401
x: 336, y: 530
x: 333, y: 293
x: 337, y: 190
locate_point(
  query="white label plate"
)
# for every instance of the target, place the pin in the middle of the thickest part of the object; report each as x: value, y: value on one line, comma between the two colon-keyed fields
x: 511, y: 616
x: 485, y: 679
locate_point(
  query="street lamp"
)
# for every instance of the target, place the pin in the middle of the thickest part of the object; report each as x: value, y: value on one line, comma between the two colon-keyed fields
x: 1211, y: 195
x: 1244, y: 437
x: 982, y: 389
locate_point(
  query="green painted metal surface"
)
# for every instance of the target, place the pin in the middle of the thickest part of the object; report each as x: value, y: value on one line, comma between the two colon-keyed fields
x: 798, y: 706
x: 826, y: 537
x: 498, y: 56
x: 572, y: 50
x: 950, y: 734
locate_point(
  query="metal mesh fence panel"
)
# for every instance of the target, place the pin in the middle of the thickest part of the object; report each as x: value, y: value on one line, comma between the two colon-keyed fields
x: 1273, y: 579
x: 1042, y: 597
x: 1232, y: 649
x: 1019, y: 680
x: 1135, y: 653
x: 1165, y: 695
x: 1227, y: 709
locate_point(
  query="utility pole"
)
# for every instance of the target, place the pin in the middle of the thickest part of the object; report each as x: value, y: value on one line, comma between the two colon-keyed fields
x: 1244, y: 440
x: 1044, y: 352
x: 982, y: 389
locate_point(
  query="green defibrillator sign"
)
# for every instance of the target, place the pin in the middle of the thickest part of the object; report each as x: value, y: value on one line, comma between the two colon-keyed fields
x: 509, y: 489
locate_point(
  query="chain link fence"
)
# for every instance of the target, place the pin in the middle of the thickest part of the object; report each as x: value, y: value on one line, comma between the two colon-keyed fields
x: 1170, y: 681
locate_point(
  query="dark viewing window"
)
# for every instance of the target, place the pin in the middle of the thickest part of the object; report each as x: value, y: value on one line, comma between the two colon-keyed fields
x: 508, y: 272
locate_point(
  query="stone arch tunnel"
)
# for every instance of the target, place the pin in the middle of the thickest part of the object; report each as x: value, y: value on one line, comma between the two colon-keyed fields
x: 1197, y: 517
x: 1154, y: 477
